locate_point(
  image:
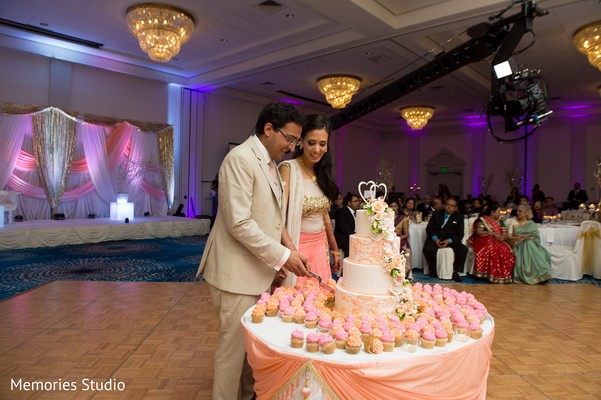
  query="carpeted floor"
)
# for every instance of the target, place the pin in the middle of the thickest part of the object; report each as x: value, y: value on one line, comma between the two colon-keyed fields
x: 150, y: 260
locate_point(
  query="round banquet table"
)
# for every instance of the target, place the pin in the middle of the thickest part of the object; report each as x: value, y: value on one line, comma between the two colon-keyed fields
x: 457, y: 371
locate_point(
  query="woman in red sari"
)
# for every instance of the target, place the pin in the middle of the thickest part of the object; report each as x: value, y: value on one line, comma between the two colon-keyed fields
x: 494, y: 257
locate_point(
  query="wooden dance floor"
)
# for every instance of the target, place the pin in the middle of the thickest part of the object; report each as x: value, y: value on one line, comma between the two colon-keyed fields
x: 156, y: 340
x: 50, y: 233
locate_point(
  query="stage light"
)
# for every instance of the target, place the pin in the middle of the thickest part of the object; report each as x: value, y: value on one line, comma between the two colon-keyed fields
x: 505, y: 68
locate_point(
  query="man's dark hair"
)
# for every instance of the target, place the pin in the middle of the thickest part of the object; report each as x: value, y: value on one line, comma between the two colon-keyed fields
x: 278, y: 114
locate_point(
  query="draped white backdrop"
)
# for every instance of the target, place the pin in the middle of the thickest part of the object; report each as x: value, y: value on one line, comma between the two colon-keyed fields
x: 82, y: 173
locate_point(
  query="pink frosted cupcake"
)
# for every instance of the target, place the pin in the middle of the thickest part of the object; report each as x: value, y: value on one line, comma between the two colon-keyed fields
x: 341, y: 337
x: 327, y: 343
x: 428, y: 340
x: 312, y: 341
x: 353, y: 344
x: 297, y: 339
x: 310, y: 320
x: 365, y: 329
x: 441, y: 337
x: 287, y: 314
x: 475, y: 330
x: 388, y: 341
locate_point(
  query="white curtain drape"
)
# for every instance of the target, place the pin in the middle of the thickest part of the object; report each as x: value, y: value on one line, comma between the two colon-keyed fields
x: 95, y: 175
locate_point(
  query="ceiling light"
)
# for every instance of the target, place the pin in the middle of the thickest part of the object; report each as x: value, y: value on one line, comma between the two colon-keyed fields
x: 338, y: 89
x: 417, y: 116
x: 160, y: 29
x: 587, y: 40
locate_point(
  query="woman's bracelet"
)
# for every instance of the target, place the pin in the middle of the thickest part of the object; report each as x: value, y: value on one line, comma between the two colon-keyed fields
x: 335, y: 252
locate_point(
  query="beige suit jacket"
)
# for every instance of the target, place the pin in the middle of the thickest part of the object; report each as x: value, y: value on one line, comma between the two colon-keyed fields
x: 244, y: 245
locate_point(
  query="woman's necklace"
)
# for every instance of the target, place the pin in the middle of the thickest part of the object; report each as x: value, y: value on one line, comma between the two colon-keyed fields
x: 312, y: 176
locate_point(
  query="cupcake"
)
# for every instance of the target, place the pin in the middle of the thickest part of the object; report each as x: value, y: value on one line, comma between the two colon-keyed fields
x: 441, y: 337
x: 297, y: 339
x: 388, y: 341
x: 448, y: 327
x: 258, y: 313
x: 353, y: 344
x: 312, y: 341
x: 287, y: 314
x: 398, y: 337
x: 341, y: 337
x: 272, y: 307
x: 428, y: 340
x: 310, y: 320
x: 299, y: 316
x: 327, y: 343
x: 475, y: 330
x: 365, y: 329
x: 376, y: 346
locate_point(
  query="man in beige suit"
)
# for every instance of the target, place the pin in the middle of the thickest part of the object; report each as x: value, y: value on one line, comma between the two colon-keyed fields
x: 244, y: 251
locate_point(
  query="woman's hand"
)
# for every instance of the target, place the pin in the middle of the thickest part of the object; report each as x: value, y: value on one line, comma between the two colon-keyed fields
x: 337, y: 263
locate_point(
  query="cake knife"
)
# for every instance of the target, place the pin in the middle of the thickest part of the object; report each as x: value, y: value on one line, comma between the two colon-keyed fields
x: 322, y: 283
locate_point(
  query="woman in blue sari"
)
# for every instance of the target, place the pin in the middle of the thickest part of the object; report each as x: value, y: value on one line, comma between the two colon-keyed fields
x: 532, y: 261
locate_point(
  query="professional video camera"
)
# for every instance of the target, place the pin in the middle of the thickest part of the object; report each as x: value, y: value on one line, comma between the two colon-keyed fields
x: 521, y: 99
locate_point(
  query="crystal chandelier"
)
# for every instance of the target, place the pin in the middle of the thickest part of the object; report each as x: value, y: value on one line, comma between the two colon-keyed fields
x: 417, y: 116
x: 338, y: 89
x: 160, y: 29
x: 587, y: 40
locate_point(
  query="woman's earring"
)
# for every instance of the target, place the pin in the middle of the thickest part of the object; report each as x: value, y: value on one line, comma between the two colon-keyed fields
x: 300, y: 146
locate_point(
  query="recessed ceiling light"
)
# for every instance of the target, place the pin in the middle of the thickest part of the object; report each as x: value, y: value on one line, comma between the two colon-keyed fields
x: 290, y: 15
x: 43, y: 24
x: 224, y: 40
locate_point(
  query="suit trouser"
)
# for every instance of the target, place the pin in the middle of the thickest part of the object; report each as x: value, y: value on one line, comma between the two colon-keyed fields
x: 230, y: 356
x: 459, y: 250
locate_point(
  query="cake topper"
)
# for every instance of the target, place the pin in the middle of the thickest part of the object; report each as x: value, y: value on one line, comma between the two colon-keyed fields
x: 371, y: 190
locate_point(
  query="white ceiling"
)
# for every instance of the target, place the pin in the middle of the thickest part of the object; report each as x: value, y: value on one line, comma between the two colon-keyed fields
x: 280, y: 51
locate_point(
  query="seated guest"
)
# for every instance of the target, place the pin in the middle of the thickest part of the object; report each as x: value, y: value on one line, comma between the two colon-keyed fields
x: 550, y: 209
x: 532, y: 261
x: 476, y: 206
x: 427, y: 207
x: 336, y: 204
x: 408, y: 210
x: 537, y: 212
x: 344, y: 225
x: 445, y: 229
x: 494, y: 258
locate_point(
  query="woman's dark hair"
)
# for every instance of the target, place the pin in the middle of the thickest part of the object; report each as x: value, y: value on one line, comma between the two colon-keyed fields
x: 323, y: 168
x: 490, y: 209
x: 278, y: 114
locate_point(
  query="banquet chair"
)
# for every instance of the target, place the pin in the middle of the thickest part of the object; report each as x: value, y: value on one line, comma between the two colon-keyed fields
x: 571, y: 263
x: 8, y: 199
x: 471, y: 256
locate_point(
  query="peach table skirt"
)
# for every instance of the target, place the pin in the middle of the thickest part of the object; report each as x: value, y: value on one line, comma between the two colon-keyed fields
x: 456, y: 371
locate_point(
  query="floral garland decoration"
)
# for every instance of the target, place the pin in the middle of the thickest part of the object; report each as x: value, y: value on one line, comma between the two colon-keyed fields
x: 382, y: 225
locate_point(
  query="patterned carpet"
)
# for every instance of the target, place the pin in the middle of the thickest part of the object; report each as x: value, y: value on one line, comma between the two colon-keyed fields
x: 150, y: 260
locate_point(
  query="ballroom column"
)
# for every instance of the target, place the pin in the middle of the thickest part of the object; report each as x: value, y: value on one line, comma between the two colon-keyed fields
x: 478, y: 162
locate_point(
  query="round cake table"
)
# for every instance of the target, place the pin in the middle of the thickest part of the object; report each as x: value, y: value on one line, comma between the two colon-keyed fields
x: 457, y: 371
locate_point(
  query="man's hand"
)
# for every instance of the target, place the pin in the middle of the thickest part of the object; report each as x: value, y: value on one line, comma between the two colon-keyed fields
x: 298, y: 264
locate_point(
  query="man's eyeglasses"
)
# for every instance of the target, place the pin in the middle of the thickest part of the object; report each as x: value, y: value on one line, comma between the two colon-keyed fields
x: 290, y: 139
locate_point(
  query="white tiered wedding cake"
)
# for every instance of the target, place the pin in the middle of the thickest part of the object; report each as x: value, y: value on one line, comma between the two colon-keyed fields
x: 374, y: 272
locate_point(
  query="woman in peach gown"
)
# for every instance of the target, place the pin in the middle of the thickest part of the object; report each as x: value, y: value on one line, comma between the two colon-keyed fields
x: 309, y: 190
